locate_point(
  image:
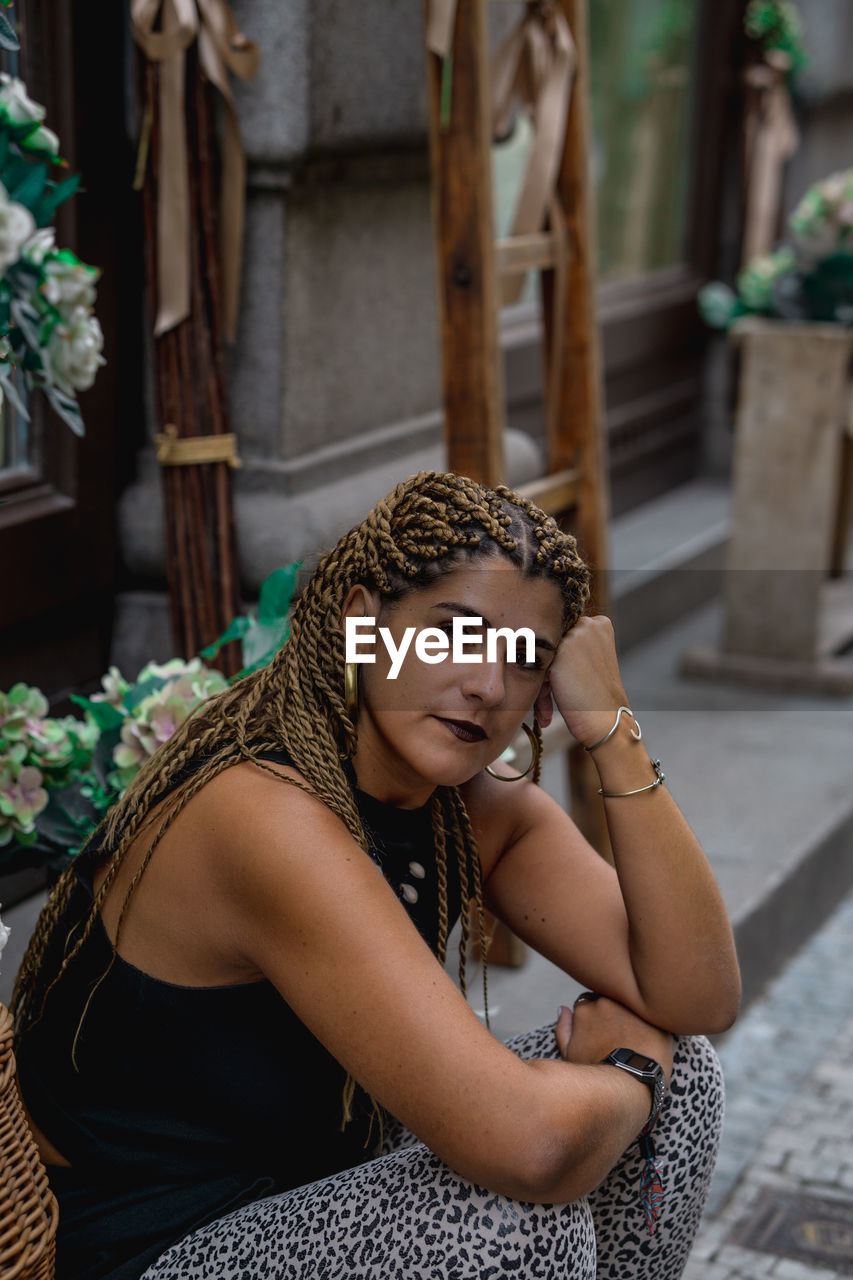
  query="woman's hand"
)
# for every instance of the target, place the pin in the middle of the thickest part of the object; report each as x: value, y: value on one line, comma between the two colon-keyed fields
x: 584, y: 681
x: 594, y: 1028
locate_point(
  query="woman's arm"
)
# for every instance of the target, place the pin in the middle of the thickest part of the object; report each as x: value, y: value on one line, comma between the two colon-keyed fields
x: 654, y: 933
x: 309, y: 909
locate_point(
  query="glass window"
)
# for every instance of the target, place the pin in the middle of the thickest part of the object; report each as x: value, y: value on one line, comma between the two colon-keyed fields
x: 17, y: 444
x: 642, y: 103
x: 641, y: 86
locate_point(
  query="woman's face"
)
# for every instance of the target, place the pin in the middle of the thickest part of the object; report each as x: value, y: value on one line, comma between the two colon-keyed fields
x: 440, y: 723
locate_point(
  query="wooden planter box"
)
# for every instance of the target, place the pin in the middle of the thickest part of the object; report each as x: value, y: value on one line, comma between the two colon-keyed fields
x: 788, y: 605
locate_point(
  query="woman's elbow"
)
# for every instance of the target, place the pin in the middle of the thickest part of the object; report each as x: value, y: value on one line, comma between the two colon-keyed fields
x: 711, y: 1016
x: 548, y: 1168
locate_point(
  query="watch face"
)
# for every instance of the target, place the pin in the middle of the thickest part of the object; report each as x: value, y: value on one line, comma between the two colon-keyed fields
x: 636, y: 1061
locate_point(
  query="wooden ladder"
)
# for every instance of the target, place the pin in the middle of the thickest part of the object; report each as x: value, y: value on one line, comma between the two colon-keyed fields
x: 470, y: 263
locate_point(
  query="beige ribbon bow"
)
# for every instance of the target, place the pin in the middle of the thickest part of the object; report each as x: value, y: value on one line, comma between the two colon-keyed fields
x: 771, y: 140
x: 535, y: 63
x: 441, y: 19
x: 221, y: 48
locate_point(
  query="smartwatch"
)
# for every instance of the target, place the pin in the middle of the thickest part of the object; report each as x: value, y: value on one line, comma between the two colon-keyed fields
x: 645, y: 1069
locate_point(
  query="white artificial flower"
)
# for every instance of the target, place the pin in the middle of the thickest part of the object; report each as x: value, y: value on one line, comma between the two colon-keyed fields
x: 15, y: 102
x: 16, y: 226
x: 69, y: 285
x: 74, y: 352
x: 44, y: 140
x: 40, y: 244
x: 4, y: 936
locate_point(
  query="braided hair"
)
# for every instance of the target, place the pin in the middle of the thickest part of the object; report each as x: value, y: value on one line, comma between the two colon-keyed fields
x: 427, y: 526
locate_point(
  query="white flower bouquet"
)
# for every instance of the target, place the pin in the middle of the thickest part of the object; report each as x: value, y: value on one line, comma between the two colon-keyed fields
x: 50, y: 339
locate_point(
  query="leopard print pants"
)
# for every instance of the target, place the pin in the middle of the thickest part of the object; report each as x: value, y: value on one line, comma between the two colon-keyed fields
x: 406, y: 1215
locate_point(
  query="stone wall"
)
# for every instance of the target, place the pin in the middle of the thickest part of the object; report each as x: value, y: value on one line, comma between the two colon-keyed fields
x: 825, y: 96
x: 335, y: 376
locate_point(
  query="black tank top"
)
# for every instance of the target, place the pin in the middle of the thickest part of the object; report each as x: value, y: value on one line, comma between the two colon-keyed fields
x: 189, y: 1102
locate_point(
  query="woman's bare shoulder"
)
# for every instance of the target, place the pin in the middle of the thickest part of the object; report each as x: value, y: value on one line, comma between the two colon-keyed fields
x: 501, y: 812
x: 261, y: 804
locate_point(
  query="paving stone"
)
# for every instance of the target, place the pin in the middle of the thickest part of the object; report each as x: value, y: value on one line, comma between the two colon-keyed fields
x: 789, y: 1269
x: 788, y: 1065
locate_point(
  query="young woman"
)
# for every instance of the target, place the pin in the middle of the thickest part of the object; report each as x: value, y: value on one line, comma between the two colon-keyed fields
x: 237, y: 994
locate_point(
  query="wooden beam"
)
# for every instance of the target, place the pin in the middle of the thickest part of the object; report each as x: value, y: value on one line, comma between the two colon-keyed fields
x: 465, y: 250
x: 576, y: 436
x: 533, y: 252
x: 555, y: 493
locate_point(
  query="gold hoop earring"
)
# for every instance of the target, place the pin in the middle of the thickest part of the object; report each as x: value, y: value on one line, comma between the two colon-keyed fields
x: 351, y: 689
x: 533, y: 739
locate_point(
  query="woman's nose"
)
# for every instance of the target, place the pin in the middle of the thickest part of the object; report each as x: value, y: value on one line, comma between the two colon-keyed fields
x: 485, y: 680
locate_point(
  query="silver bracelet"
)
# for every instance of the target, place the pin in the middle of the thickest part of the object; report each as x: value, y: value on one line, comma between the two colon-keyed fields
x: 636, y: 734
x: 660, y: 777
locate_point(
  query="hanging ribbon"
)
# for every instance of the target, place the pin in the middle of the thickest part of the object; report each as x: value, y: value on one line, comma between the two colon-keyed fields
x: 441, y: 19
x: 771, y: 140
x: 221, y: 48
x: 174, y: 450
x: 535, y: 63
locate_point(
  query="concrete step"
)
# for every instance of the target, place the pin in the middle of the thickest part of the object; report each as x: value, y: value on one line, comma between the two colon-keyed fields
x: 667, y: 559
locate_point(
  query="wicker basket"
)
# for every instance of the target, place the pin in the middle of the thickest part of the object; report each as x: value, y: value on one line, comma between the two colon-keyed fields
x: 28, y: 1212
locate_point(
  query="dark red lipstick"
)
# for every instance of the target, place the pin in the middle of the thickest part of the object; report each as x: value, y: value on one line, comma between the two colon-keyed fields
x: 464, y: 730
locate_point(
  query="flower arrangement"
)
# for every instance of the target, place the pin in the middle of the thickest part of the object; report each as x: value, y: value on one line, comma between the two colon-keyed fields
x: 777, y: 28
x: 50, y: 340
x: 808, y: 278
x: 58, y: 776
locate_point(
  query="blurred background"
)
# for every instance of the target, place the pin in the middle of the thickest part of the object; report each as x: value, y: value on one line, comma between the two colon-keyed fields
x: 708, y: 121
x: 669, y: 373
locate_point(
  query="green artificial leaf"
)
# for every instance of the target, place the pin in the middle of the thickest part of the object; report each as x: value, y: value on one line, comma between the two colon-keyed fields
x: 54, y: 195
x: 262, y: 636
x: 263, y: 661
x: 65, y: 406
x: 828, y: 289
x: 102, y: 765
x: 14, y: 171
x: 4, y: 146
x: 27, y: 320
x: 67, y: 821
x: 10, y: 390
x: 718, y: 304
x: 31, y: 186
x: 263, y: 640
x: 8, y: 39
x: 276, y: 592
x: 104, y: 714
x: 235, y: 631
x: 30, y: 361
x: 143, y: 689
